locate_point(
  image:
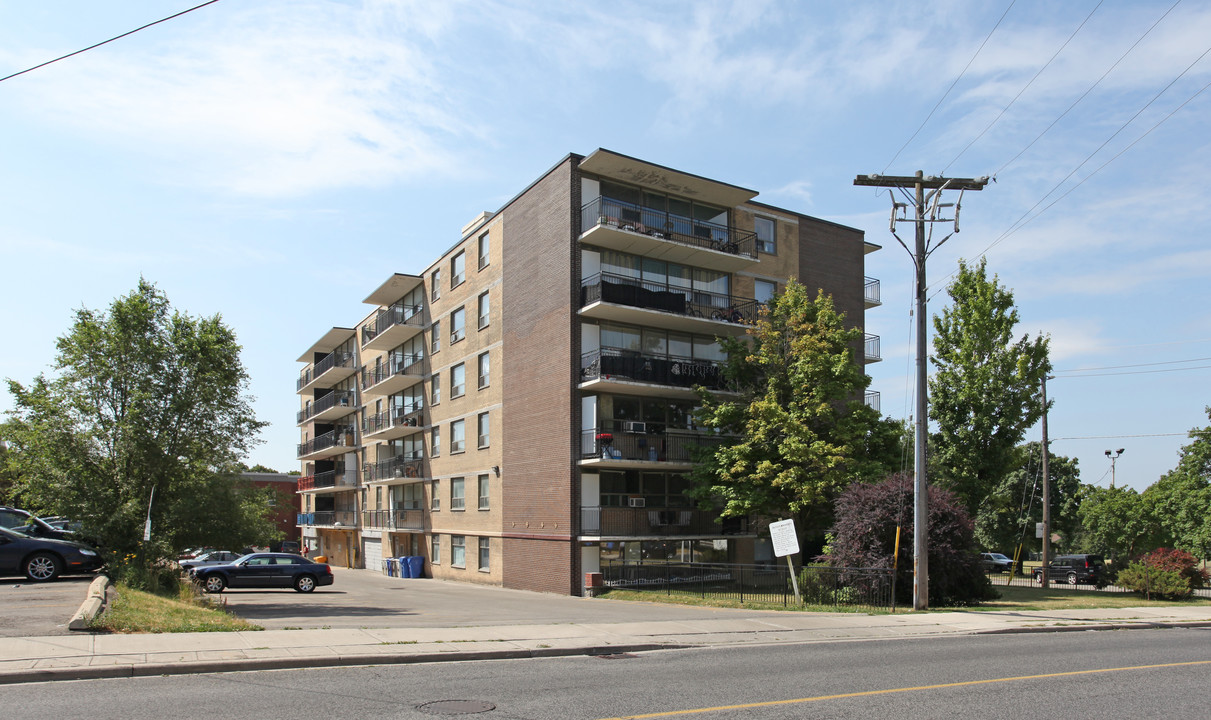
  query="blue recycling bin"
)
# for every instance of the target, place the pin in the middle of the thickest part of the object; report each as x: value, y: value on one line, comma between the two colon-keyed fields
x: 404, y: 570
x: 392, y: 567
x: 416, y: 566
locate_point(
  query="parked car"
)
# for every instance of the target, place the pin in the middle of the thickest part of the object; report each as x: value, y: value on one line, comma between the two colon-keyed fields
x: 214, y: 557
x: 265, y: 570
x: 42, y: 559
x: 26, y: 523
x: 996, y: 562
x: 1089, y: 569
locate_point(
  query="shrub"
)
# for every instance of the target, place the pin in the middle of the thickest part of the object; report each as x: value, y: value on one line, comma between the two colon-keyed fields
x: 1178, y: 561
x: 1150, y: 580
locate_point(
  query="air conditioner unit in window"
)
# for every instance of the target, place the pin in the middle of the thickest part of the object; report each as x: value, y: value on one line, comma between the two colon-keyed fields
x: 637, y: 502
x: 635, y: 427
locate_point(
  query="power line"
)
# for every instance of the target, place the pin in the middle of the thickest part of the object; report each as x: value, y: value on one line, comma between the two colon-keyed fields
x: 104, y: 42
x: 1120, y: 437
x: 1137, y: 372
x: 1119, y: 367
x: 1024, y: 88
x: 952, y: 87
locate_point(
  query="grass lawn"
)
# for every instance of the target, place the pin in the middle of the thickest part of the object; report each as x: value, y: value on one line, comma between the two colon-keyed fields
x: 135, y: 611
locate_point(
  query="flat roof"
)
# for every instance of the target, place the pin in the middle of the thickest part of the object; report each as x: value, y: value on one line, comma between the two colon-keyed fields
x: 608, y: 163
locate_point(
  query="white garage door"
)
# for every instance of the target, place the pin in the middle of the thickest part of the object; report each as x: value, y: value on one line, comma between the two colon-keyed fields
x: 372, y: 551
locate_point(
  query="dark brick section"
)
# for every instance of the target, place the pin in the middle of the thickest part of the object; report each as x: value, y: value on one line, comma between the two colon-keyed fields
x: 540, y: 348
x: 832, y: 257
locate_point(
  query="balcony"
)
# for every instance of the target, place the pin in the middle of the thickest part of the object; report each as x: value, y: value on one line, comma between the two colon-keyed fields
x: 335, y: 442
x: 606, y: 296
x: 619, y: 371
x: 393, y: 423
x: 872, y: 400
x: 628, y: 522
x: 634, y: 229
x: 870, y: 347
x: 394, y: 519
x: 394, y: 471
x: 392, y: 326
x: 329, y: 518
x: 400, y: 373
x: 633, y: 446
x: 871, y: 293
x: 329, y: 407
x: 326, y: 373
x: 330, y: 481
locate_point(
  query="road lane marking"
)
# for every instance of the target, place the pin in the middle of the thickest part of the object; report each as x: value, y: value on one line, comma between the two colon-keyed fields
x: 917, y: 688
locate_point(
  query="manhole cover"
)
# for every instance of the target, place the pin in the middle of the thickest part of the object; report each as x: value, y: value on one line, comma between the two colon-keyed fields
x: 456, y: 707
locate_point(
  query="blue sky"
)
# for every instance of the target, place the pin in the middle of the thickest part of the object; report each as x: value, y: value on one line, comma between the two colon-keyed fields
x: 274, y: 161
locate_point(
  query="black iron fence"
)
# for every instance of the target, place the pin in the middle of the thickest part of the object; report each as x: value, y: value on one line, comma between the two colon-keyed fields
x: 848, y: 588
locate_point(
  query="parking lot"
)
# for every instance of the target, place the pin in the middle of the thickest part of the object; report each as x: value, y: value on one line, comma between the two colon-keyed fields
x: 29, y: 609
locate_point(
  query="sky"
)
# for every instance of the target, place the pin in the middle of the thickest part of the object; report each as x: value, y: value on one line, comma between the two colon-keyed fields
x: 274, y: 162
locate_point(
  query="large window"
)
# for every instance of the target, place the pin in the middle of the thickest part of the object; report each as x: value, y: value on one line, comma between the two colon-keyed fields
x: 659, y: 490
x: 458, y: 494
x: 436, y: 337
x: 435, y: 285
x: 458, y: 269
x: 458, y: 325
x: 435, y: 497
x: 435, y: 550
x: 485, y: 427
x: 697, y: 284
x: 458, y: 380
x: 484, y: 310
x: 766, y: 237
x: 458, y: 551
x: 413, y: 496
x: 484, y: 250
x: 764, y: 290
x: 435, y: 447
x: 485, y: 554
x: 660, y: 343
x: 458, y: 436
x: 435, y: 394
x: 484, y: 491
x: 484, y: 370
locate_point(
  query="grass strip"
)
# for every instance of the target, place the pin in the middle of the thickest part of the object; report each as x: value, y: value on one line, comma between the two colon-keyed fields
x: 135, y: 611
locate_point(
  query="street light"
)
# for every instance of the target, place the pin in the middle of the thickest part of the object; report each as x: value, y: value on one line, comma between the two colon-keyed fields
x: 1112, y: 459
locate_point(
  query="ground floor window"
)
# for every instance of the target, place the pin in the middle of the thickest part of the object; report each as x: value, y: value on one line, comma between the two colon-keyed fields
x: 458, y: 551
x: 687, y: 550
x: 435, y: 550
x: 485, y: 555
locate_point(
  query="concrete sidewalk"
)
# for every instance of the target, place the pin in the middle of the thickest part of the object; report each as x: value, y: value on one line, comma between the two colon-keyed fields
x: 106, y: 656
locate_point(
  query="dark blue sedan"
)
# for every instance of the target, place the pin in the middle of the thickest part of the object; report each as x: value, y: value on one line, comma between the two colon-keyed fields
x: 265, y: 570
x: 41, y: 559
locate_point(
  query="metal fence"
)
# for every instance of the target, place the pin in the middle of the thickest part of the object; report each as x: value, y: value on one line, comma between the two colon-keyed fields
x: 1061, y: 584
x: 847, y: 588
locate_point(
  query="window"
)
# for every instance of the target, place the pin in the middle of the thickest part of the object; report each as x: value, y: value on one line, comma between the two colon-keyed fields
x: 435, y: 550
x: 485, y: 247
x: 458, y: 436
x: 378, y: 497
x: 413, y: 496
x: 458, y: 269
x: 484, y: 368
x: 764, y: 290
x: 435, y: 285
x: 458, y: 325
x: 435, y: 394
x: 484, y: 310
x: 485, y: 426
x: 458, y: 494
x: 436, y: 337
x: 485, y: 556
x: 765, y: 235
x: 435, y: 448
x: 435, y: 498
x: 458, y: 551
x: 458, y: 380
x: 484, y: 487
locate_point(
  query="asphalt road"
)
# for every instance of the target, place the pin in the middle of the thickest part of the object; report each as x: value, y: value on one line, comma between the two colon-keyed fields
x: 1138, y: 673
x: 29, y: 609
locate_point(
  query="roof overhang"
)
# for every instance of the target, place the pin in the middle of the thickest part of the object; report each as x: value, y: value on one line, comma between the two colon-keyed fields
x: 627, y: 169
x: 397, y: 286
x: 331, y: 341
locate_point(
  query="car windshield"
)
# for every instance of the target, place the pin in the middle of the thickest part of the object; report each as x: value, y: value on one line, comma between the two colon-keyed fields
x: 997, y: 556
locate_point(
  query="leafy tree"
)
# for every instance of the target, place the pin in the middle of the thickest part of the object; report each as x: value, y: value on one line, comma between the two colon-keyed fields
x: 144, y: 398
x: 1180, y: 501
x: 799, y: 431
x: 1015, y: 505
x: 1116, y: 522
x: 864, y: 535
x: 8, y: 469
x: 984, y: 395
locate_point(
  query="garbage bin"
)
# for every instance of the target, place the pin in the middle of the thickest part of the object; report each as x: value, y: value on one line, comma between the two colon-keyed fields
x: 416, y: 566
x: 405, y: 571
x: 392, y: 567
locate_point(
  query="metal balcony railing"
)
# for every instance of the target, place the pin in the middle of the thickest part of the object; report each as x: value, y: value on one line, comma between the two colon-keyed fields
x: 650, y: 295
x: 872, y: 399
x: 872, y: 292
x: 658, y: 369
x: 667, y: 226
x: 329, y: 518
x: 619, y: 443
x: 410, y: 364
x: 411, y: 315
x: 410, y: 415
x: 394, y: 519
x: 342, y: 437
x: 330, y: 361
x: 325, y: 480
x: 648, y: 521
x: 340, y: 398
x: 871, y: 348
x: 401, y: 466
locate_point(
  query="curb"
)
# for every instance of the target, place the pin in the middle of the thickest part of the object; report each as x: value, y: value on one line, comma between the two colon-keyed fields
x: 92, y: 606
x: 1142, y: 625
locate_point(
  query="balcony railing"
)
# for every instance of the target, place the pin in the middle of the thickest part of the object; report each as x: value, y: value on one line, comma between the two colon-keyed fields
x: 330, y: 361
x: 633, y: 292
x: 394, y: 519
x: 340, y: 398
x: 871, y: 348
x: 409, y: 365
x: 872, y: 292
x: 325, y: 480
x: 329, y: 518
x: 401, y: 466
x: 609, y: 363
x: 670, y: 227
x: 647, y: 521
x: 872, y: 400
x: 387, y: 318
x: 410, y: 416
x: 343, y: 438
x: 677, y: 446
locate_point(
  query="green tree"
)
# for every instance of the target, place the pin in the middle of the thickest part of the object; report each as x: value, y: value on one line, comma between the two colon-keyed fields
x: 1116, y: 523
x: 984, y: 395
x: 8, y: 468
x: 1180, y: 502
x: 1011, y: 511
x: 798, y: 432
x: 143, y: 398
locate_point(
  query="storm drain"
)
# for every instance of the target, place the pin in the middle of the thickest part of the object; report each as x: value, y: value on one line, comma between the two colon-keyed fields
x: 456, y: 707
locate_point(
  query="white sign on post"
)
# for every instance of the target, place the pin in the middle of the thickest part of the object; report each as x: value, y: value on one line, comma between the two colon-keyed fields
x: 786, y: 543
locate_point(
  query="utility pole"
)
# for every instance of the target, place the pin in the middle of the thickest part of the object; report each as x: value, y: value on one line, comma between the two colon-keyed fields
x: 1046, y: 495
x: 928, y: 209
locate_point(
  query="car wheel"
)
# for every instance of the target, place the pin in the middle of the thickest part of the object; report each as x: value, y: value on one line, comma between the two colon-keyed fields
x: 1038, y: 577
x: 1072, y: 578
x: 304, y: 583
x: 42, y: 567
x: 214, y: 583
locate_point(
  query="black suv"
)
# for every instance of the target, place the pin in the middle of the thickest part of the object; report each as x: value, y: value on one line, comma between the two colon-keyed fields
x: 1089, y: 569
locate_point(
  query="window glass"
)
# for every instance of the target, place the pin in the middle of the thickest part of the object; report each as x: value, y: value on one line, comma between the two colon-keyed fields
x: 458, y: 497
x: 763, y: 290
x: 435, y: 283
x: 618, y: 263
x: 484, y: 310
x: 435, y: 550
x: 458, y: 269
x: 655, y: 342
x: 707, y: 349
x: 485, y: 555
x: 681, y: 345
x: 484, y: 250
x: 485, y: 372
x: 436, y: 335
x: 435, y: 396
x: 654, y: 271
x: 458, y: 436
x: 485, y: 428
x: 435, y: 447
x: 458, y: 380
x: 458, y: 325
x: 765, y: 234
x: 484, y: 492
x: 458, y: 551
x: 435, y: 497
x: 620, y: 337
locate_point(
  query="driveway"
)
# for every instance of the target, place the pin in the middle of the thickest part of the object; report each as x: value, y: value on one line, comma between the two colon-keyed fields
x: 29, y: 609
x: 365, y: 599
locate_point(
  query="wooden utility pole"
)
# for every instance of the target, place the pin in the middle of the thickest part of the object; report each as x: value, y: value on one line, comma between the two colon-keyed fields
x: 1046, y: 555
x: 928, y: 210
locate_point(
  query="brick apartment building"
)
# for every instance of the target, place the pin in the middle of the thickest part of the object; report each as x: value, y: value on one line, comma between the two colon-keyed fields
x: 521, y: 411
